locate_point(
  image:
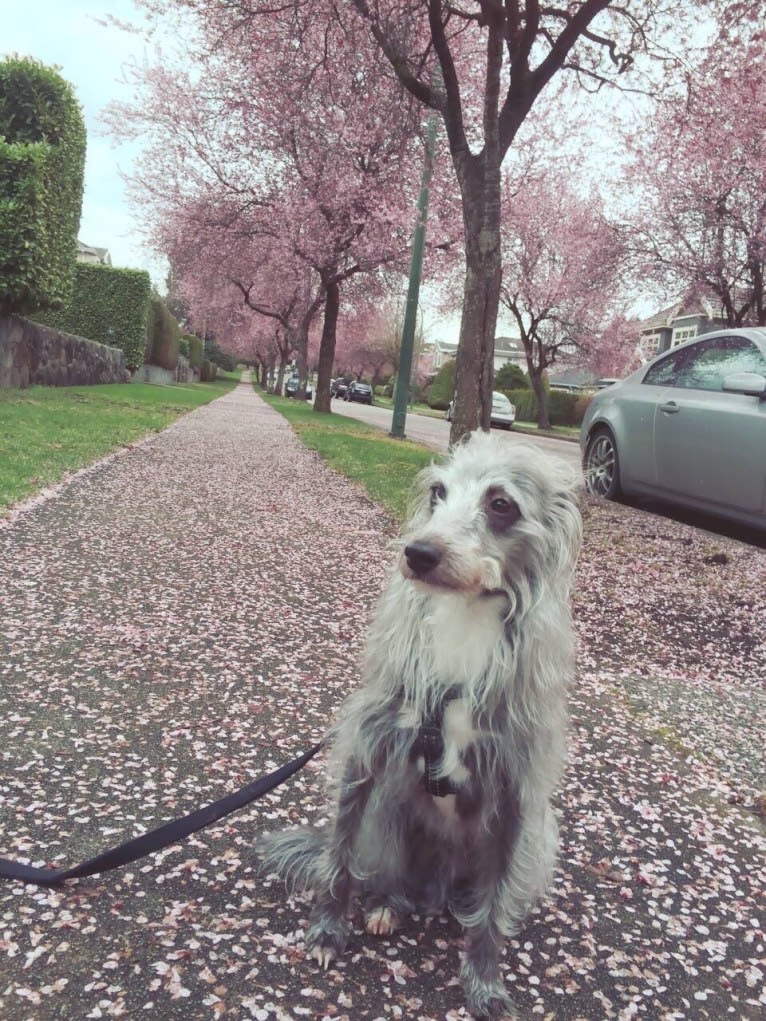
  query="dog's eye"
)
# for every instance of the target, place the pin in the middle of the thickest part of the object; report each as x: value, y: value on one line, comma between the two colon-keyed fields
x: 503, y: 511
x: 500, y: 505
x: 438, y: 492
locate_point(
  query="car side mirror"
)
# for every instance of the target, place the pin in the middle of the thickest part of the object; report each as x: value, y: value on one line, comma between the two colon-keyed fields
x: 752, y: 384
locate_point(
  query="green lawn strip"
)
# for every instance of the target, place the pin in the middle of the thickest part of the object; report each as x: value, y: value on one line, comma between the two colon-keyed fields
x: 383, y: 466
x: 556, y: 432
x: 48, y: 432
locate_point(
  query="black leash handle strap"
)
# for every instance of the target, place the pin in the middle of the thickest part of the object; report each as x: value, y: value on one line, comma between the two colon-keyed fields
x: 163, y: 836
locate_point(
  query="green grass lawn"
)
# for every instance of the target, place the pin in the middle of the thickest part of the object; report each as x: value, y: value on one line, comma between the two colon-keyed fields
x: 47, y: 432
x: 385, y: 467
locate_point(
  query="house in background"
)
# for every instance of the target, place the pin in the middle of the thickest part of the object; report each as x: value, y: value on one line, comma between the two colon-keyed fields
x: 507, y: 349
x: 88, y: 253
x: 691, y: 316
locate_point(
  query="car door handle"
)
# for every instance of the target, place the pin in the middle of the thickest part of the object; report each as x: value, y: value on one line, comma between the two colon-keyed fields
x: 671, y: 408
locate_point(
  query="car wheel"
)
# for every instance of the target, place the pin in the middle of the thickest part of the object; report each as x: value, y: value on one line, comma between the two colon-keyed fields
x: 601, y: 465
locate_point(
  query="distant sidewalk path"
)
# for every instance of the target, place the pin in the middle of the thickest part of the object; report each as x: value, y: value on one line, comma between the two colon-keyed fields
x: 187, y: 615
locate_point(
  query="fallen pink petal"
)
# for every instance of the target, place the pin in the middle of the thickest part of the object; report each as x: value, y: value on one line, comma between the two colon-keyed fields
x: 180, y: 620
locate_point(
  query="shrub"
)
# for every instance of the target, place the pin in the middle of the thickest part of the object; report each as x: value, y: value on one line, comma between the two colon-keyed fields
x: 42, y: 161
x: 195, y: 350
x: 442, y: 389
x: 563, y: 408
x: 221, y: 358
x: 208, y: 371
x: 582, y: 405
x: 511, y: 377
x: 108, y: 305
x: 525, y: 403
x: 162, y: 336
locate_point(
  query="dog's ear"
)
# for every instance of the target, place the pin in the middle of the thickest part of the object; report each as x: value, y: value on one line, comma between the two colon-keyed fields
x: 563, y: 520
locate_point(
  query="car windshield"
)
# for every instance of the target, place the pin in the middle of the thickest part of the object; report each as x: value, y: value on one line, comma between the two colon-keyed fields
x: 500, y: 400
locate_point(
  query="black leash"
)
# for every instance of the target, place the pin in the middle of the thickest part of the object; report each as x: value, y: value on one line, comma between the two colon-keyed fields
x: 163, y: 836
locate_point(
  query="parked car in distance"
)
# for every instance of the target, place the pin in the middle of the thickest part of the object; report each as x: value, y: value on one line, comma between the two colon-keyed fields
x: 503, y: 412
x: 291, y: 388
x: 360, y: 392
x: 338, y: 388
x: 689, y: 428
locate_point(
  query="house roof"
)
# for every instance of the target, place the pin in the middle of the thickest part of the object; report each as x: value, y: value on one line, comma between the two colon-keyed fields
x: 503, y: 346
x: 445, y: 345
x: 693, y: 303
x: 508, y: 346
x: 91, y: 251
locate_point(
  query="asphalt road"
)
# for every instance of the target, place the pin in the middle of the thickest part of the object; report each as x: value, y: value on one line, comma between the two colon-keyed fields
x: 434, y: 432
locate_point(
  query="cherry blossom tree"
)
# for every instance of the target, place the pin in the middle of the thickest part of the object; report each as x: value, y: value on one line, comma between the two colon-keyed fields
x: 481, y: 66
x: 562, y: 262
x: 701, y: 218
x: 300, y: 127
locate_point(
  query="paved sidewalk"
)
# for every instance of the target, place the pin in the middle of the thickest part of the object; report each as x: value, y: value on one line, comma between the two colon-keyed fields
x: 188, y: 615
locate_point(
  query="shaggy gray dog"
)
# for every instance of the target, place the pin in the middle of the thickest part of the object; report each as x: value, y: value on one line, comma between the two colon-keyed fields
x: 447, y: 755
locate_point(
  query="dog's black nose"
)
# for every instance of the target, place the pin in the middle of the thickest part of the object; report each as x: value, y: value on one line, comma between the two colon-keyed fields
x: 422, y: 556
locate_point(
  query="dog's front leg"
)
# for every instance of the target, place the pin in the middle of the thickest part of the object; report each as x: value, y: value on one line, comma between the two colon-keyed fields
x: 479, y: 908
x: 329, y: 927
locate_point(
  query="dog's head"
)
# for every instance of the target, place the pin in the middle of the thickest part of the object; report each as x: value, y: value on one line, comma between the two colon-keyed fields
x: 496, y: 516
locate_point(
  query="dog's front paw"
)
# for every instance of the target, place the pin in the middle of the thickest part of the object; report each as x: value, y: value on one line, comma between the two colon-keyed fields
x: 326, y: 940
x: 497, y: 1006
x: 487, y: 1000
x: 381, y: 921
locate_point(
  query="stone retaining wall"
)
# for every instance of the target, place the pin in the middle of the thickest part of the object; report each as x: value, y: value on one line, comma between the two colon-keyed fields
x: 32, y: 354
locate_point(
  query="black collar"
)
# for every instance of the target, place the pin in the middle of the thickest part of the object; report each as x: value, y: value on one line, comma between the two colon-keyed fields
x: 429, y: 743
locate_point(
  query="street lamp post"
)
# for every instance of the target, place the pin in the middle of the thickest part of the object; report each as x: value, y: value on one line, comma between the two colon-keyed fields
x: 402, y: 391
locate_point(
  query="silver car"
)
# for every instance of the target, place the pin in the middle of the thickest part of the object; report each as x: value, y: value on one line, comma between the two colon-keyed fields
x: 503, y: 412
x: 689, y: 427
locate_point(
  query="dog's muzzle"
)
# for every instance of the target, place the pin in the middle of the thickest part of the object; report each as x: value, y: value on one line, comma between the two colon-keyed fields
x: 422, y: 557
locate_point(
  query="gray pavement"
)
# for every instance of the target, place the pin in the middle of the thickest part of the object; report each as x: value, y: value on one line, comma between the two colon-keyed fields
x: 190, y: 614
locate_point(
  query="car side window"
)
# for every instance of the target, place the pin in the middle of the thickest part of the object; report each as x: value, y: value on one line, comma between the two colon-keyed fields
x: 709, y: 362
x: 665, y: 371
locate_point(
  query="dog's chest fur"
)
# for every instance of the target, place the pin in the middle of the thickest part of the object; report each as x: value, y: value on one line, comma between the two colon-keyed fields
x: 462, y: 637
x: 461, y: 640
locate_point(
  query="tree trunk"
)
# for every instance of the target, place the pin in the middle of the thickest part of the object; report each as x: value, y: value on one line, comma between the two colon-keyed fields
x: 279, y: 386
x: 479, y: 179
x: 474, y: 367
x: 536, y: 378
x: 327, y: 347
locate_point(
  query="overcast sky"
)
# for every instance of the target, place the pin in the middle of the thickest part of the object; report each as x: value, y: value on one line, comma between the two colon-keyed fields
x: 90, y: 56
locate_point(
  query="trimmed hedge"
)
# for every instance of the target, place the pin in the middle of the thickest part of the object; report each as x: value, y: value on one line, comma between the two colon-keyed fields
x: 563, y: 408
x: 195, y: 352
x: 208, y: 371
x: 162, y: 336
x: 42, y: 164
x: 108, y: 305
